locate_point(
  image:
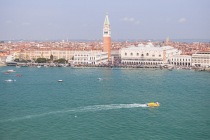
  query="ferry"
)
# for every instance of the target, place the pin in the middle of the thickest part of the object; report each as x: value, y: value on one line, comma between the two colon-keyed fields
x: 153, y: 104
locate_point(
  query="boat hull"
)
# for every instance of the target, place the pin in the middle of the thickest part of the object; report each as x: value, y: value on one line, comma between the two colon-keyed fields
x: 152, y: 104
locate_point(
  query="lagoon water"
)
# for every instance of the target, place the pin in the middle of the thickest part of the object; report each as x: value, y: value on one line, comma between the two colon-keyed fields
x: 37, y: 107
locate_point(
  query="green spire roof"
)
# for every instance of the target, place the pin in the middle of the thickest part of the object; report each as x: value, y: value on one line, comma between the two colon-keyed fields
x: 106, y: 22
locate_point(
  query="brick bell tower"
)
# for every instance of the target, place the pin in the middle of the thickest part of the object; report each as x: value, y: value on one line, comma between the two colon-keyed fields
x: 107, y: 37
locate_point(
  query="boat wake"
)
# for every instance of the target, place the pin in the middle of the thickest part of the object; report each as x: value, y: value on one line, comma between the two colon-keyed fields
x: 93, y: 108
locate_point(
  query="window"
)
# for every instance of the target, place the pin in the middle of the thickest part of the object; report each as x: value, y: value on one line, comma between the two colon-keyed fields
x: 147, y: 54
x: 142, y: 54
x: 137, y: 54
x: 159, y: 55
x: 125, y: 54
x: 131, y: 54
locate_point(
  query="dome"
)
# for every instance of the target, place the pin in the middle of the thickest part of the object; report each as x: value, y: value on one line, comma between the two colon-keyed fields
x: 140, y: 45
x: 149, y: 45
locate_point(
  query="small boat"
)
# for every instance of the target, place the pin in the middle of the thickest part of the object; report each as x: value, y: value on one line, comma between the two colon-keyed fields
x: 10, y: 71
x: 170, y: 68
x: 100, y: 79
x: 10, y: 80
x: 60, y: 80
x: 153, y: 104
x: 38, y: 66
x: 18, y: 75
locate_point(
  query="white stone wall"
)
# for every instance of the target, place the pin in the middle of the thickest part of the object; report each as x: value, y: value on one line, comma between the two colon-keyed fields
x: 180, y: 60
x: 90, y: 57
x: 147, y: 54
x: 10, y: 58
x: 201, y: 59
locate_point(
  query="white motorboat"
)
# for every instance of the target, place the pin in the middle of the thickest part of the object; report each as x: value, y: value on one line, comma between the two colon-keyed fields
x: 100, y: 79
x: 60, y: 80
x: 10, y: 71
x: 10, y: 80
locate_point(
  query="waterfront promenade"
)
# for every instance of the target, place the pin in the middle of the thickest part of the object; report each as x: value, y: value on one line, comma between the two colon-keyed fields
x: 160, y: 67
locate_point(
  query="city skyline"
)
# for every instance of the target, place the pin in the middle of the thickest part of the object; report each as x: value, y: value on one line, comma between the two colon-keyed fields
x: 49, y: 20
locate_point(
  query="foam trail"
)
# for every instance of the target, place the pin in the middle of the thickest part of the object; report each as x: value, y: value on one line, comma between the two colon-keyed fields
x: 79, y: 109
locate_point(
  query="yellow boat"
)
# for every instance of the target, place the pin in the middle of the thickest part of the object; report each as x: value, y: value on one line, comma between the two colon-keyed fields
x: 153, y: 104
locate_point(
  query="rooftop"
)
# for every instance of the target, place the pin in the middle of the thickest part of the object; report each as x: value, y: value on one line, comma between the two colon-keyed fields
x: 148, y: 47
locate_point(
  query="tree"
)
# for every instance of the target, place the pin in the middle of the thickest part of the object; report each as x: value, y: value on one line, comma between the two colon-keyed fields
x: 48, y: 60
x: 51, y: 57
x: 61, y: 60
x: 16, y: 60
x: 41, y: 60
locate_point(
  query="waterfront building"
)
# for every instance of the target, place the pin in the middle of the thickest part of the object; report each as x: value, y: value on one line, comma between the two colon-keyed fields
x: 115, y: 57
x: 147, y: 54
x: 90, y: 58
x: 45, y: 53
x: 107, y: 37
x: 10, y: 61
x: 3, y: 56
x: 10, y: 58
x: 201, y: 59
x: 180, y: 60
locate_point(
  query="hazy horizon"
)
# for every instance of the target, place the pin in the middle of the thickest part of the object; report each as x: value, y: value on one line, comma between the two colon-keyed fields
x: 83, y: 19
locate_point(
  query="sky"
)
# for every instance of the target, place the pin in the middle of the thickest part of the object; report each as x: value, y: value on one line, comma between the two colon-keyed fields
x: 83, y: 19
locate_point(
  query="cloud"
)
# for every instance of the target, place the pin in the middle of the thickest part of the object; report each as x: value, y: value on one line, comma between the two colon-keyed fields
x: 130, y: 19
x: 182, y: 20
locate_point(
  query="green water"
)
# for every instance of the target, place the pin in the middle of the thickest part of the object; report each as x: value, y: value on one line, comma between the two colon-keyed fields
x: 37, y: 107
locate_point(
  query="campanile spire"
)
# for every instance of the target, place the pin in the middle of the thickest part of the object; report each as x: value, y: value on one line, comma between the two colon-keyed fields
x: 107, y: 37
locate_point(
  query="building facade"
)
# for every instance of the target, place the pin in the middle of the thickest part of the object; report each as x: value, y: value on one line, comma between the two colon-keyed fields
x: 201, y: 59
x: 147, y: 54
x: 107, y: 37
x: 45, y: 53
x: 180, y: 60
x: 90, y: 58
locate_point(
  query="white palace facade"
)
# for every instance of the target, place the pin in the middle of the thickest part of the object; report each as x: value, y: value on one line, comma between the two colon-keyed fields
x: 201, y: 59
x: 147, y: 54
x: 180, y: 60
x: 90, y: 57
